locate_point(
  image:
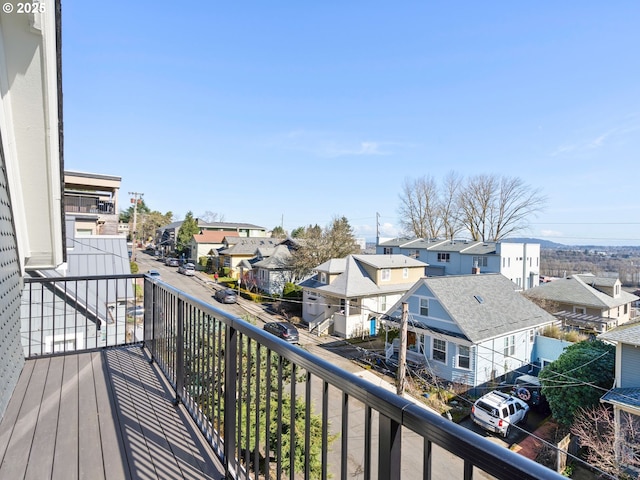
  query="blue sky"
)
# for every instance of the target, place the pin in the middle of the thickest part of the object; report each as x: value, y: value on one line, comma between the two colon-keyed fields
x: 295, y: 112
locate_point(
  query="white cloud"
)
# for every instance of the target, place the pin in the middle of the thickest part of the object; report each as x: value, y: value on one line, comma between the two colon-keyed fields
x: 364, y: 149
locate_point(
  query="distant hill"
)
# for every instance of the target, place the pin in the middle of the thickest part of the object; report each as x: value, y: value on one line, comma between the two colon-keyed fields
x: 543, y: 243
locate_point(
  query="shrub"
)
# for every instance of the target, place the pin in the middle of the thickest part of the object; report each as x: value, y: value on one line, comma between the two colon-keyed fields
x: 134, y: 267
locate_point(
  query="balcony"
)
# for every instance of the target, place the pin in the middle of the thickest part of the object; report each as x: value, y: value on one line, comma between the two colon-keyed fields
x: 187, y: 391
x: 88, y: 205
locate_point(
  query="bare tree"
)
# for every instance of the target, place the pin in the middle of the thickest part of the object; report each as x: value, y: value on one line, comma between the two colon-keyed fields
x: 420, y: 207
x: 476, y: 200
x: 211, y: 217
x: 449, y: 207
x: 606, y: 450
x: 494, y: 208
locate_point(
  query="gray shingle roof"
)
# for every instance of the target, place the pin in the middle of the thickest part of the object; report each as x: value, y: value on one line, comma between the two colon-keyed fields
x: 249, y: 246
x: 279, y: 259
x: 389, y: 261
x: 574, y: 290
x: 625, y: 334
x: 501, y: 310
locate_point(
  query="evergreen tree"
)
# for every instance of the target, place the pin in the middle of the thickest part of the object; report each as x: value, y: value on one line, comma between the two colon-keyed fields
x: 188, y: 229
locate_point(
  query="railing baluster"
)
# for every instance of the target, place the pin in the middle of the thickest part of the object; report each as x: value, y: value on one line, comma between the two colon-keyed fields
x: 390, y: 448
x: 179, y: 352
x: 230, y: 386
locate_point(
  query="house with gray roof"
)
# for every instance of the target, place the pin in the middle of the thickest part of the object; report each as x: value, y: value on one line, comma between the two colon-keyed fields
x: 348, y: 295
x: 586, y: 302
x: 166, y: 235
x: 625, y: 394
x: 519, y: 262
x: 470, y: 329
x: 240, y: 254
x: 272, y: 269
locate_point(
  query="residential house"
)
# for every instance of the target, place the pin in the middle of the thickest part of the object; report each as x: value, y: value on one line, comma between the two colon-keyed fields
x: 470, y: 329
x: 240, y: 254
x: 93, y: 199
x: 208, y: 242
x: 166, y: 236
x: 519, y: 262
x: 272, y: 269
x: 350, y: 294
x: 625, y: 394
x: 586, y: 302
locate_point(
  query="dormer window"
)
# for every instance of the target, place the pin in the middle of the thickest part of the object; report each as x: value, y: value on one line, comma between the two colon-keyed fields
x: 323, y: 277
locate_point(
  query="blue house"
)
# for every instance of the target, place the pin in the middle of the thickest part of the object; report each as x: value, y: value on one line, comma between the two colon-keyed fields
x: 471, y: 329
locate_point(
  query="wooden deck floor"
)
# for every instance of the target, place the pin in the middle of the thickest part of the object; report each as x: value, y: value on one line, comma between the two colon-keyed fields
x: 99, y: 415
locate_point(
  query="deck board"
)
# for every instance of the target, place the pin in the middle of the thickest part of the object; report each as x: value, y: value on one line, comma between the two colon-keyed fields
x: 104, y: 415
x: 47, y: 425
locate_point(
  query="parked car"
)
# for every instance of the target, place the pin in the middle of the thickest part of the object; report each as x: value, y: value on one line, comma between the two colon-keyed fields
x: 284, y: 330
x: 154, y: 274
x: 136, y: 311
x: 187, y: 269
x: 172, y: 262
x: 226, y: 296
x: 497, y: 412
x: 528, y: 388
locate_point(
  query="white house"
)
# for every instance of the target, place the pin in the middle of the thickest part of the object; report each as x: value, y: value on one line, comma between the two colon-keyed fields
x: 350, y: 294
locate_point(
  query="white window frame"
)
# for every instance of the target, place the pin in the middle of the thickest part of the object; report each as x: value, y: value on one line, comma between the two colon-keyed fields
x: 405, y: 272
x: 382, y: 303
x: 421, y: 307
x: 433, y: 350
x: 460, y: 355
x: 385, y: 274
x: 323, y: 277
x: 480, y: 261
x: 509, y: 346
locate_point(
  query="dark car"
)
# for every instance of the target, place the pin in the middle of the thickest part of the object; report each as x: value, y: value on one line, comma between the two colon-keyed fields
x: 528, y: 388
x: 172, y: 262
x: 226, y: 296
x: 284, y: 330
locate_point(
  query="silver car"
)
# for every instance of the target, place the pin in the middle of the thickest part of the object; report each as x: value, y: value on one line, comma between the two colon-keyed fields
x: 188, y: 269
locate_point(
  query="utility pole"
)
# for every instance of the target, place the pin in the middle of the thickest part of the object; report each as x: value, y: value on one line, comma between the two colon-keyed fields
x: 402, y: 353
x: 136, y: 197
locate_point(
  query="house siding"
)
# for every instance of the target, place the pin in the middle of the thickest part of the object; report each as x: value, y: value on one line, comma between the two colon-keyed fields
x: 11, y: 356
x: 630, y: 374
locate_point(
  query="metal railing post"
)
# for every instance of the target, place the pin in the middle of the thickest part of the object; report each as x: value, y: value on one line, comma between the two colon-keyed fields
x: 391, y: 442
x: 230, y: 388
x: 179, y: 352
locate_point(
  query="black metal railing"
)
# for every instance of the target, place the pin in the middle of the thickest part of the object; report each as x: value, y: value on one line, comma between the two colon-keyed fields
x: 80, y: 204
x: 273, y: 410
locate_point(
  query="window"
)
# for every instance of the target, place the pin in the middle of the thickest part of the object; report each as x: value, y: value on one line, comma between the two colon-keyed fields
x: 424, y: 307
x: 405, y: 272
x: 532, y: 334
x: 323, y: 277
x: 463, y: 356
x: 443, y: 257
x: 383, y: 303
x: 386, y: 274
x: 439, y: 351
x: 479, y: 261
x: 509, y: 345
x: 581, y: 310
x: 387, y: 250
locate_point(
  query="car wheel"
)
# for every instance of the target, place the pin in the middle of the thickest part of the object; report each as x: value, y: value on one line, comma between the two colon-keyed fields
x: 507, y: 432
